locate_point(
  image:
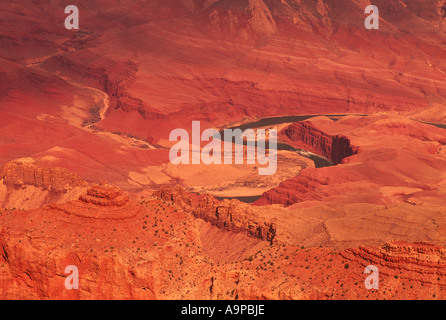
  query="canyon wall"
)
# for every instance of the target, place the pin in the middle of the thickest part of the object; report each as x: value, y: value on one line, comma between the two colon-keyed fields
x: 419, y: 261
x: 230, y: 215
x: 333, y: 147
x: 380, y: 154
x: 18, y: 173
x: 24, y: 184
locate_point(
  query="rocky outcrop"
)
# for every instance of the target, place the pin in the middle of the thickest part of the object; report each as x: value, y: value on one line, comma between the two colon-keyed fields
x: 419, y: 261
x: 22, y: 172
x: 25, y: 184
x: 113, y: 241
x: 378, y: 156
x: 305, y: 136
x: 297, y: 189
x: 155, y: 252
x: 105, y: 196
x: 30, y: 276
x: 100, y: 202
x: 227, y: 214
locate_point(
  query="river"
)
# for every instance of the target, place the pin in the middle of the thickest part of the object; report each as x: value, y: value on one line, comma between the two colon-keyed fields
x: 319, y: 161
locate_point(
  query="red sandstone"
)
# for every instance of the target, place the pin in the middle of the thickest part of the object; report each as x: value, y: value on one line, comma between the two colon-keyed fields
x: 85, y: 177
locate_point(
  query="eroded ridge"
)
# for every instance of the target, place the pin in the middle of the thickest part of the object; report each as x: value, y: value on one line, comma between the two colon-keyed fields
x: 415, y: 261
x: 28, y: 172
x: 230, y: 215
x: 101, y: 202
x: 105, y: 196
x: 333, y: 147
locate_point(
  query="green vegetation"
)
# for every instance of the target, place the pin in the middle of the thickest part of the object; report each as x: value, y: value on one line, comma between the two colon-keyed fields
x: 94, y: 115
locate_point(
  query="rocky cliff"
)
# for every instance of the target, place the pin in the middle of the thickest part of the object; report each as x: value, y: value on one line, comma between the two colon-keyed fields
x: 230, y: 215
x: 333, y: 147
x: 25, y: 184
x: 18, y: 173
x: 405, y: 270
x: 419, y: 261
x: 122, y: 249
x: 379, y: 157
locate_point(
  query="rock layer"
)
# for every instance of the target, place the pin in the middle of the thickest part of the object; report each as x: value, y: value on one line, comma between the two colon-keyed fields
x: 25, y: 184
x: 100, y: 202
x: 101, y: 101
x: 392, y: 159
x: 18, y: 173
x: 303, y: 135
x: 419, y: 261
x: 230, y: 215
